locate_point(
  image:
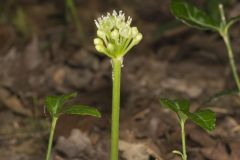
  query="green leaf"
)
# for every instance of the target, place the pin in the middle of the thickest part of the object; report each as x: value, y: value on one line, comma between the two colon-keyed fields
x: 50, y: 103
x: 176, y: 105
x: 204, y: 118
x: 55, y: 103
x: 169, y: 104
x: 82, y: 110
x: 182, y: 104
x: 193, y: 16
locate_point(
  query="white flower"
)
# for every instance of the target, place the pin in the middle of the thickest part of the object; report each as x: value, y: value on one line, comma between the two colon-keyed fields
x: 115, y: 34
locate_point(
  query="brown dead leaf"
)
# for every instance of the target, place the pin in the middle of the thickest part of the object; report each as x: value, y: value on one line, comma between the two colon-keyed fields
x: 235, y: 146
x: 12, y: 102
x: 205, y: 139
x: 32, y: 55
x: 138, y: 151
x: 217, y: 152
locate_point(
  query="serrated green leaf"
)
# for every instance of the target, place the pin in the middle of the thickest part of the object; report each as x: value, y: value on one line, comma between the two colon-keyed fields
x: 82, y: 110
x: 55, y: 103
x: 204, y: 118
x: 193, y: 16
x: 176, y: 105
x: 169, y: 104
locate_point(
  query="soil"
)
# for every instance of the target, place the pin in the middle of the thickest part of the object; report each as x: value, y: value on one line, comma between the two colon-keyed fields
x: 53, y: 58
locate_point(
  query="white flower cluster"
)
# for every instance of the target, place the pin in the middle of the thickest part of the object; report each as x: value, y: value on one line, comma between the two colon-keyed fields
x: 115, y: 35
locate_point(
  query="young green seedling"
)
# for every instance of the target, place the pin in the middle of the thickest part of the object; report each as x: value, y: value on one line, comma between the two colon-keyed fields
x: 55, y: 106
x: 115, y: 37
x: 21, y: 24
x: 206, y: 119
x: 199, y: 19
x: 71, y: 14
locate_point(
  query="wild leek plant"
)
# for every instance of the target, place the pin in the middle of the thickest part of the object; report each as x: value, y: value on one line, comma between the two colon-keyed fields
x: 55, y: 106
x: 206, y: 119
x: 115, y: 37
x: 199, y: 19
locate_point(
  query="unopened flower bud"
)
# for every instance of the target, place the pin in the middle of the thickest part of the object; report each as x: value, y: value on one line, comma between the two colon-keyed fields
x: 108, y: 24
x: 98, y: 41
x: 138, y: 38
x: 100, y: 48
x: 101, y: 34
x: 125, y: 31
x: 134, y: 32
x: 110, y: 47
x: 115, y: 35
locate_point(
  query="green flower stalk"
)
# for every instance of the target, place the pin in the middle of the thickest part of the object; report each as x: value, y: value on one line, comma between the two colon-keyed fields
x: 115, y: 37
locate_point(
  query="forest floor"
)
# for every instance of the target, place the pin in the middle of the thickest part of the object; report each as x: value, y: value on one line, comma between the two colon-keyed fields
x: 178, y: 63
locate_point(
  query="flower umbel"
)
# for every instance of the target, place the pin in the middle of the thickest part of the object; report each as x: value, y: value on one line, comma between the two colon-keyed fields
x: 115, y: 36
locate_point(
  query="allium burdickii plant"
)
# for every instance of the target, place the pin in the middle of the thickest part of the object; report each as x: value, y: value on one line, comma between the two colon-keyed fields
x: 115, y: 37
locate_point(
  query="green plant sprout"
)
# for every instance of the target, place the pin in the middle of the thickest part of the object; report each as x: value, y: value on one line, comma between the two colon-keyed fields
x: 71, y: 13
x: 206, y: 119
x: 199, y: 19
x: 115, y: 37
x: 21, y: 23
x: 55, y: 106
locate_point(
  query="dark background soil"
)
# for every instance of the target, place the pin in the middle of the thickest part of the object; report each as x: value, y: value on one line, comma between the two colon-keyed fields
x: 42, y: 52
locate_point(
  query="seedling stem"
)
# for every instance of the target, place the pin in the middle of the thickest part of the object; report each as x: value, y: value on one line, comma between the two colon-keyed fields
x: 50, y: 141
x: 231, y: 59
x: 224, y: 32
x: 184, y: 150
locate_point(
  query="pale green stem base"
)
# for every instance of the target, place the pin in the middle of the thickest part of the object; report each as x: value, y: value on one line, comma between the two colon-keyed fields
x: 184, y: 149
x: 231, y: 59
x: 50, y: 141
x: 117, y: 64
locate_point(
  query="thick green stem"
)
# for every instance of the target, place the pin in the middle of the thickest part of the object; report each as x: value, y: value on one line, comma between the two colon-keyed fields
x: 231, y: 58
x: 50, y: 141
x: 116, y: 76
x: 184, y: 150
